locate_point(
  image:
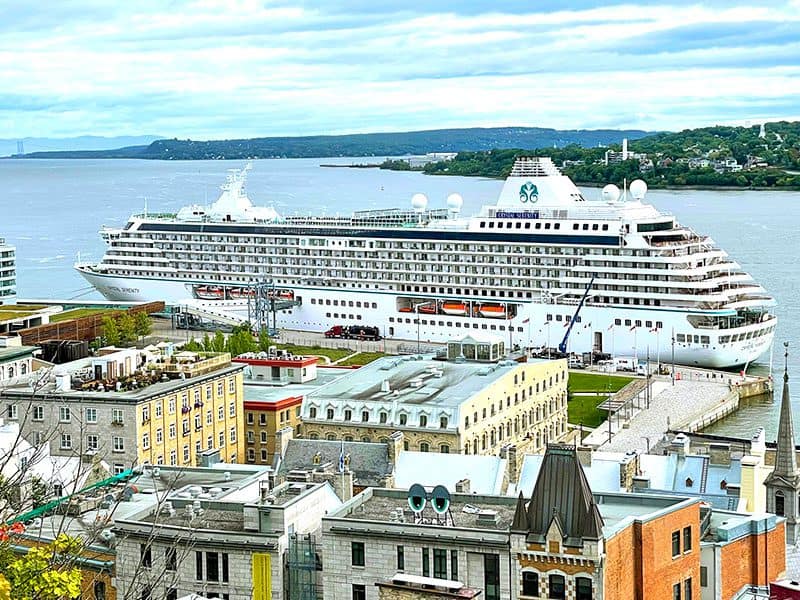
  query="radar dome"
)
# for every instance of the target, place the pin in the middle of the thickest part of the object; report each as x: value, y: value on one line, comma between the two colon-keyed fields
x: 638, y: 189
x: 419, y: 202
x: 455, y: 202
x: 611, y: 193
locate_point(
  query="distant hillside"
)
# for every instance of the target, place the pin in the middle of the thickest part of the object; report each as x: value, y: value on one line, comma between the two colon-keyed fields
x: 368, y: 144
x: 710, y: 156
x: 8, y: 147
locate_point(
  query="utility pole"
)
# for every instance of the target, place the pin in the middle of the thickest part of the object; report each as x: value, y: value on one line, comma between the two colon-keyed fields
x: 673, y: 356
x: 647, y: 381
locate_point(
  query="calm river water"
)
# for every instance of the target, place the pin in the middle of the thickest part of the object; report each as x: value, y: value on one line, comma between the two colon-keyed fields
x: 52, y: 209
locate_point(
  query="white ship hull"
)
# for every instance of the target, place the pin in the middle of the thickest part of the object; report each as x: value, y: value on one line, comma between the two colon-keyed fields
x: 529, y: 328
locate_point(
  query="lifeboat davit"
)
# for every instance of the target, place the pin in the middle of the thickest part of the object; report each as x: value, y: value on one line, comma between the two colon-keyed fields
x: 209, y: 292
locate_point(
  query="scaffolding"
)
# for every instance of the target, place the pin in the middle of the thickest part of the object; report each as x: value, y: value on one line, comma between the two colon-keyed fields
x: 302, y: 564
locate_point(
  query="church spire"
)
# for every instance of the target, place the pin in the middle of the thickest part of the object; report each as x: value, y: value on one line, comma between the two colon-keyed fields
x: 785, y: 459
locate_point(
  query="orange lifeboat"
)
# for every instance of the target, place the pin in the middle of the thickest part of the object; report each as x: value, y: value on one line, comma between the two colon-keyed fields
x: 456, y: 309
x: 209, y: 292
x: 493, y: 311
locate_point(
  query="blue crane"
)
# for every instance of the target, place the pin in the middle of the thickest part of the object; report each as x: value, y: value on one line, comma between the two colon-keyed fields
x: 562, y: 347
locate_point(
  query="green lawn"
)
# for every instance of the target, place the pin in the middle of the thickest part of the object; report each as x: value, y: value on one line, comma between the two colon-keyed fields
x: 75, y: 313
x: 583, y: 410
x: 362, y: 359
x: 596, y: 382
x: 332, y: 353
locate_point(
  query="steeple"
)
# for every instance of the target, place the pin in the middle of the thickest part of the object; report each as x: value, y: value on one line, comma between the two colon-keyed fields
x: 520, y: 522
x: 783, y: 484
x: 785, y: 459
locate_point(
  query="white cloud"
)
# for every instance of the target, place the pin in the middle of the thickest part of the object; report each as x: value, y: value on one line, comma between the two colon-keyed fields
x: 216, y: 68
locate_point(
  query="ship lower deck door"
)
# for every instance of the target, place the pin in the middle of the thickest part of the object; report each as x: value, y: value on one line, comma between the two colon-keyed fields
x: 598, y: 341
x: 391, y: 331
x: 276, y: 372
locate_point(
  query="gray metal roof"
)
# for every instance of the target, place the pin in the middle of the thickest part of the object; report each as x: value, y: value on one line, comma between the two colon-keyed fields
x: 785, y: 460
x: 369, y: 463
x: 562, y: 492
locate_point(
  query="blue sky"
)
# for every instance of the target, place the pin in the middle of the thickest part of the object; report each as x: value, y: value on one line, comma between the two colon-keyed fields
x: 244, y: 68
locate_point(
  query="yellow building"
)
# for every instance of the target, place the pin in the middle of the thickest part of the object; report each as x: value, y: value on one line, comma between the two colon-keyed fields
x: 458, y: 405
x: 135, y: 407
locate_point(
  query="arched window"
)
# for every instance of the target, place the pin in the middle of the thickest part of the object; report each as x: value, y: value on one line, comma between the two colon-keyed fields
x: 330, y: 437
x: 530, y: 584
x: 424, y: 447
x: 444, y: 449
x: 23, y: 368
x: 348, y: 438
x: 313, y: 436
x: 557, y: 586
x: 583, y: 588
x: 780, y: 509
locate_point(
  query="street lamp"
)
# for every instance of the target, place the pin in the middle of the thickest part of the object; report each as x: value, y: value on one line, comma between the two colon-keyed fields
x: 647, y: 439
x: 416, y: 309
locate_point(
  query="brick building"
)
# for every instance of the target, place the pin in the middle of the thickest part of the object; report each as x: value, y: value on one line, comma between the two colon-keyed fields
x: 564, y: 542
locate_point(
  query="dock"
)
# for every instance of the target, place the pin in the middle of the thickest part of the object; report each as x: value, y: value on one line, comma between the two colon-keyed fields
x: 640, y: 417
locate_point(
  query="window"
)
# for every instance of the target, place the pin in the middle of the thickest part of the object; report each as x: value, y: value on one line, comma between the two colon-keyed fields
x: 557, y: 587
x: 491, y: 576
x: 403, y: 419
x: 312, y: 413
x: 453, y: 564
x: 145, y: 414
x: 38, y: 413
x: 329, y: 414
x: 231, y: 386
x: 220, y: 413
x: 158, y: 409
x: 357, y: 554
x: 118, y: 444
x: 779, y: 504
x: 171, y: 405
x: 676, y: 543
x: 263, y: 437
x: 233, y: 435
x: 99, y: 590
x: 426, y: 563
x: 423, y: 421
x: 359, y: 592
x: 703, y: 576
x: 172, y: 431
x: 348, y: 414
x: 364, y: 416
x: 221, y: 439
x: 424, y: 447
x: 198, y: 566
x: 145, y: 440
x: 212, y: 566
x: 440, y: 563
x: 443, y: 422
x: 583, y: 588
x: 116, y: 416
x: 530, y: 584
x: 91, y: 415
x: 444, y: 448
x: 232, y: 409
x: 676, y: 591
x: 91, y: 442
x: 687, y: 539
x: 64, y: 414
x: 173, y: 457
x: 146, y: 555
x: 209, y: 417
x: 687, y: 589
x: 66, y: 441
x: 186, y: 454
x: 171, y: 559
x: 401, y: 558
x: 159, y: 435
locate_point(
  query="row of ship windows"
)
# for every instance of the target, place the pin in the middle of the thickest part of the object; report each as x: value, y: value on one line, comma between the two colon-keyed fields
x: 538, y: 225
x: 638, y: 323
x: 349, y: 303
x: 452, y: 324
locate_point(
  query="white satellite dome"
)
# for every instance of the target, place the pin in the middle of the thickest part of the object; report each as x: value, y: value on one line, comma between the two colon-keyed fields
x: 610, y: 193
x: 419, y: 202
x: 455, y: 202
x: 638, y: 189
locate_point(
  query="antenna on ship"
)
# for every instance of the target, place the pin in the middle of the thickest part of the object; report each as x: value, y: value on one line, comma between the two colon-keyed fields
x: 145, y: 207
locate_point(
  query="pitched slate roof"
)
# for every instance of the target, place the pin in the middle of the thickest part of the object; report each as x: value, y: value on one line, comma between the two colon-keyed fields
x: 562, y: 491
x: 369, y: 462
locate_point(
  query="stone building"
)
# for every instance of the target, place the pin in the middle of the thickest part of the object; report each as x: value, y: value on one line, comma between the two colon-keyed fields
x: 134, y: 407
x: 222, y: 534
x: 563, y: 543
x: 454, y: 406
x: 15, y: 359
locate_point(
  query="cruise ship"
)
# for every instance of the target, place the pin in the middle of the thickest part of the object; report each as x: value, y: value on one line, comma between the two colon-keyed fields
x: 615, y: 273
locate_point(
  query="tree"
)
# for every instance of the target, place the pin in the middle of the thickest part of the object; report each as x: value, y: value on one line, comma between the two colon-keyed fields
x: 143, y: 324
x: 218, y: 342
x: 110, y: 330
x: 127, y: 328
x: 263, y: 340
x: 45, y: 572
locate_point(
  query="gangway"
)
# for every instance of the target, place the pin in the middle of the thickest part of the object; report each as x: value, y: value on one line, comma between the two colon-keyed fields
x: 562, y: 347
x: 215, y: 315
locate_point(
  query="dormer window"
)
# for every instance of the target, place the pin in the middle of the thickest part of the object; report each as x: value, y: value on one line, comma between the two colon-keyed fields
x: 329, y: 414
x: 723, y: 485
x: 423, y: 420
x: 689, y: 482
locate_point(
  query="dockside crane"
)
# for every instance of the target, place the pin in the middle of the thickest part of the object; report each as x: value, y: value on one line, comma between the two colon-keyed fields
x: 562, y: 347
